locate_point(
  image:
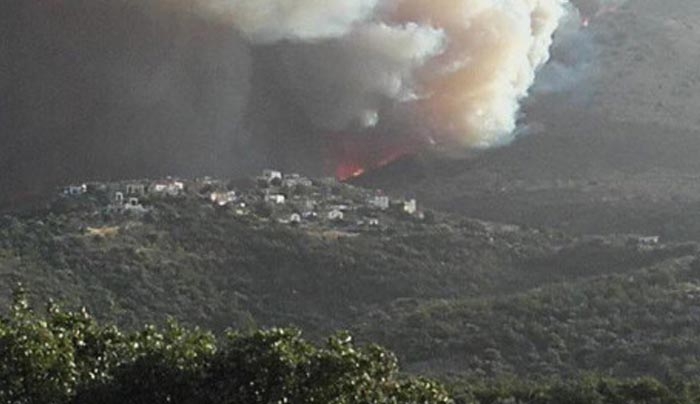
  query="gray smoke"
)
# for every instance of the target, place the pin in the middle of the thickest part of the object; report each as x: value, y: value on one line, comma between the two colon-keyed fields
x: 573, y: 57
x: 105, y: 88
x: 589, y: 9
x: 124, y: 88
x: 573, y: 65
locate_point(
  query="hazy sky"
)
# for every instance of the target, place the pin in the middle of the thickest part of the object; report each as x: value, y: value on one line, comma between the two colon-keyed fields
x: 118, y: 88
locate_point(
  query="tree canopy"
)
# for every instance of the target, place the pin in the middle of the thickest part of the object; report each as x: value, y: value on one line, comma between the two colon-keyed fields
x: 67, y: 357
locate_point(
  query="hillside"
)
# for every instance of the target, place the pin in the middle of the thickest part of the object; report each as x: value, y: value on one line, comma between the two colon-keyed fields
x: 208, y: 265
x: 646, y: 73
x: 415, y: 284
x: 640, y: 323
x: 616, y: 153
x: 66, y: 357
x: 601, y: 177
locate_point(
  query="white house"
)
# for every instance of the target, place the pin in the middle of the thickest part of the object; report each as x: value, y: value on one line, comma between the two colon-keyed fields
x: 206, y: 180
x: 223, y: 198
x: 380, y: 202
x: 118, y: 198
x: 648, y: 242
x: 270, y: 175
x: 651, y: 240
x: 335, y: 215
x: 295, y: 218
x: 293, y: 180
x: 341, y: 207
x: 310, y: 215
x: 373, y: 221
x: 410, y: 207
x: 241, y: 209
x: 275, y: 198
x: 75, y: 189
x: 172, y: 188
x: 133, y: 205
x: 136, y: 189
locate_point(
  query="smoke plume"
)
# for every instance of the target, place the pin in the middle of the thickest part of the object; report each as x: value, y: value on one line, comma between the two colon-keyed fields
x: 590, y: 9
x: 113, y: 88
x: 575, y: 52
x: 304, y: 20
x: 463, y: 64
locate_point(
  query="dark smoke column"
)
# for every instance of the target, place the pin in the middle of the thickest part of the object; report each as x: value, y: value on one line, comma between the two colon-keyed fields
x: 117, y: 88
x: 124, y: 88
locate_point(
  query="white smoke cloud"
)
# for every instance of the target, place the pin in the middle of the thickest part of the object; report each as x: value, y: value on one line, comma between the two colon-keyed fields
x: 573, y: 55
x: 495, y: 49
x: 269, y: 21
x: 255, y: 71
x: 465, y: 64
x: 344, y: 82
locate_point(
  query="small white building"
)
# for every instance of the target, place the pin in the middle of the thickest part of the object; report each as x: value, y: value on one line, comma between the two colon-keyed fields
x: 270, y: 175
x: 206, y: 180
x: 223, y: 198
x: 293, y: 180
x: 241, y: 209
x: 341, y: 207
x: 373, y: 222
x: 119, y: 198
x: 336, y: 215
x: 278, y: 199
x: 410, y: 207
x: 295, y: 218
x: 648, y: 242
x: 310, y: 215
x: 172, y: 188
x: 380, y: 202
x: 75, y: 190
x: 136, y: 189
x: 134, y: 205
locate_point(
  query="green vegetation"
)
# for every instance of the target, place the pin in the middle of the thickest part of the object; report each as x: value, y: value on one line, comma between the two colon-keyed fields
x: 589, y: 390
x: 627, y: 325
x: 452, y: 297
x: 206, y: 266
x: 67, y: 357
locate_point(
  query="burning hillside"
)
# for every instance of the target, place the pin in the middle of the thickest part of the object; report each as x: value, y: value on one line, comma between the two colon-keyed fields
x: 114, y: 88
x: 350, y: 157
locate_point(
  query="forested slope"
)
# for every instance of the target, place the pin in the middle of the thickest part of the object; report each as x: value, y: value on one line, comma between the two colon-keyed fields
x: 449, y: 295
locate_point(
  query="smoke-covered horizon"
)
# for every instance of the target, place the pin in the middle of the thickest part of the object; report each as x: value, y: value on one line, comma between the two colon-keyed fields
x: 115, y: 88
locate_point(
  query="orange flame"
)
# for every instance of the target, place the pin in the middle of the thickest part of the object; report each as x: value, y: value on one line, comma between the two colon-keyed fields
x: 351, y: 156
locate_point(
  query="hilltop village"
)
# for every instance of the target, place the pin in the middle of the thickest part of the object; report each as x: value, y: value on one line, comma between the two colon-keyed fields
x: 289, y: 199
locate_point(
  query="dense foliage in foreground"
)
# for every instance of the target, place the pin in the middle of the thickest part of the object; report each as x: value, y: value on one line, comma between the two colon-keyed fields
x: 67, y: 357
x: 455, y: 297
